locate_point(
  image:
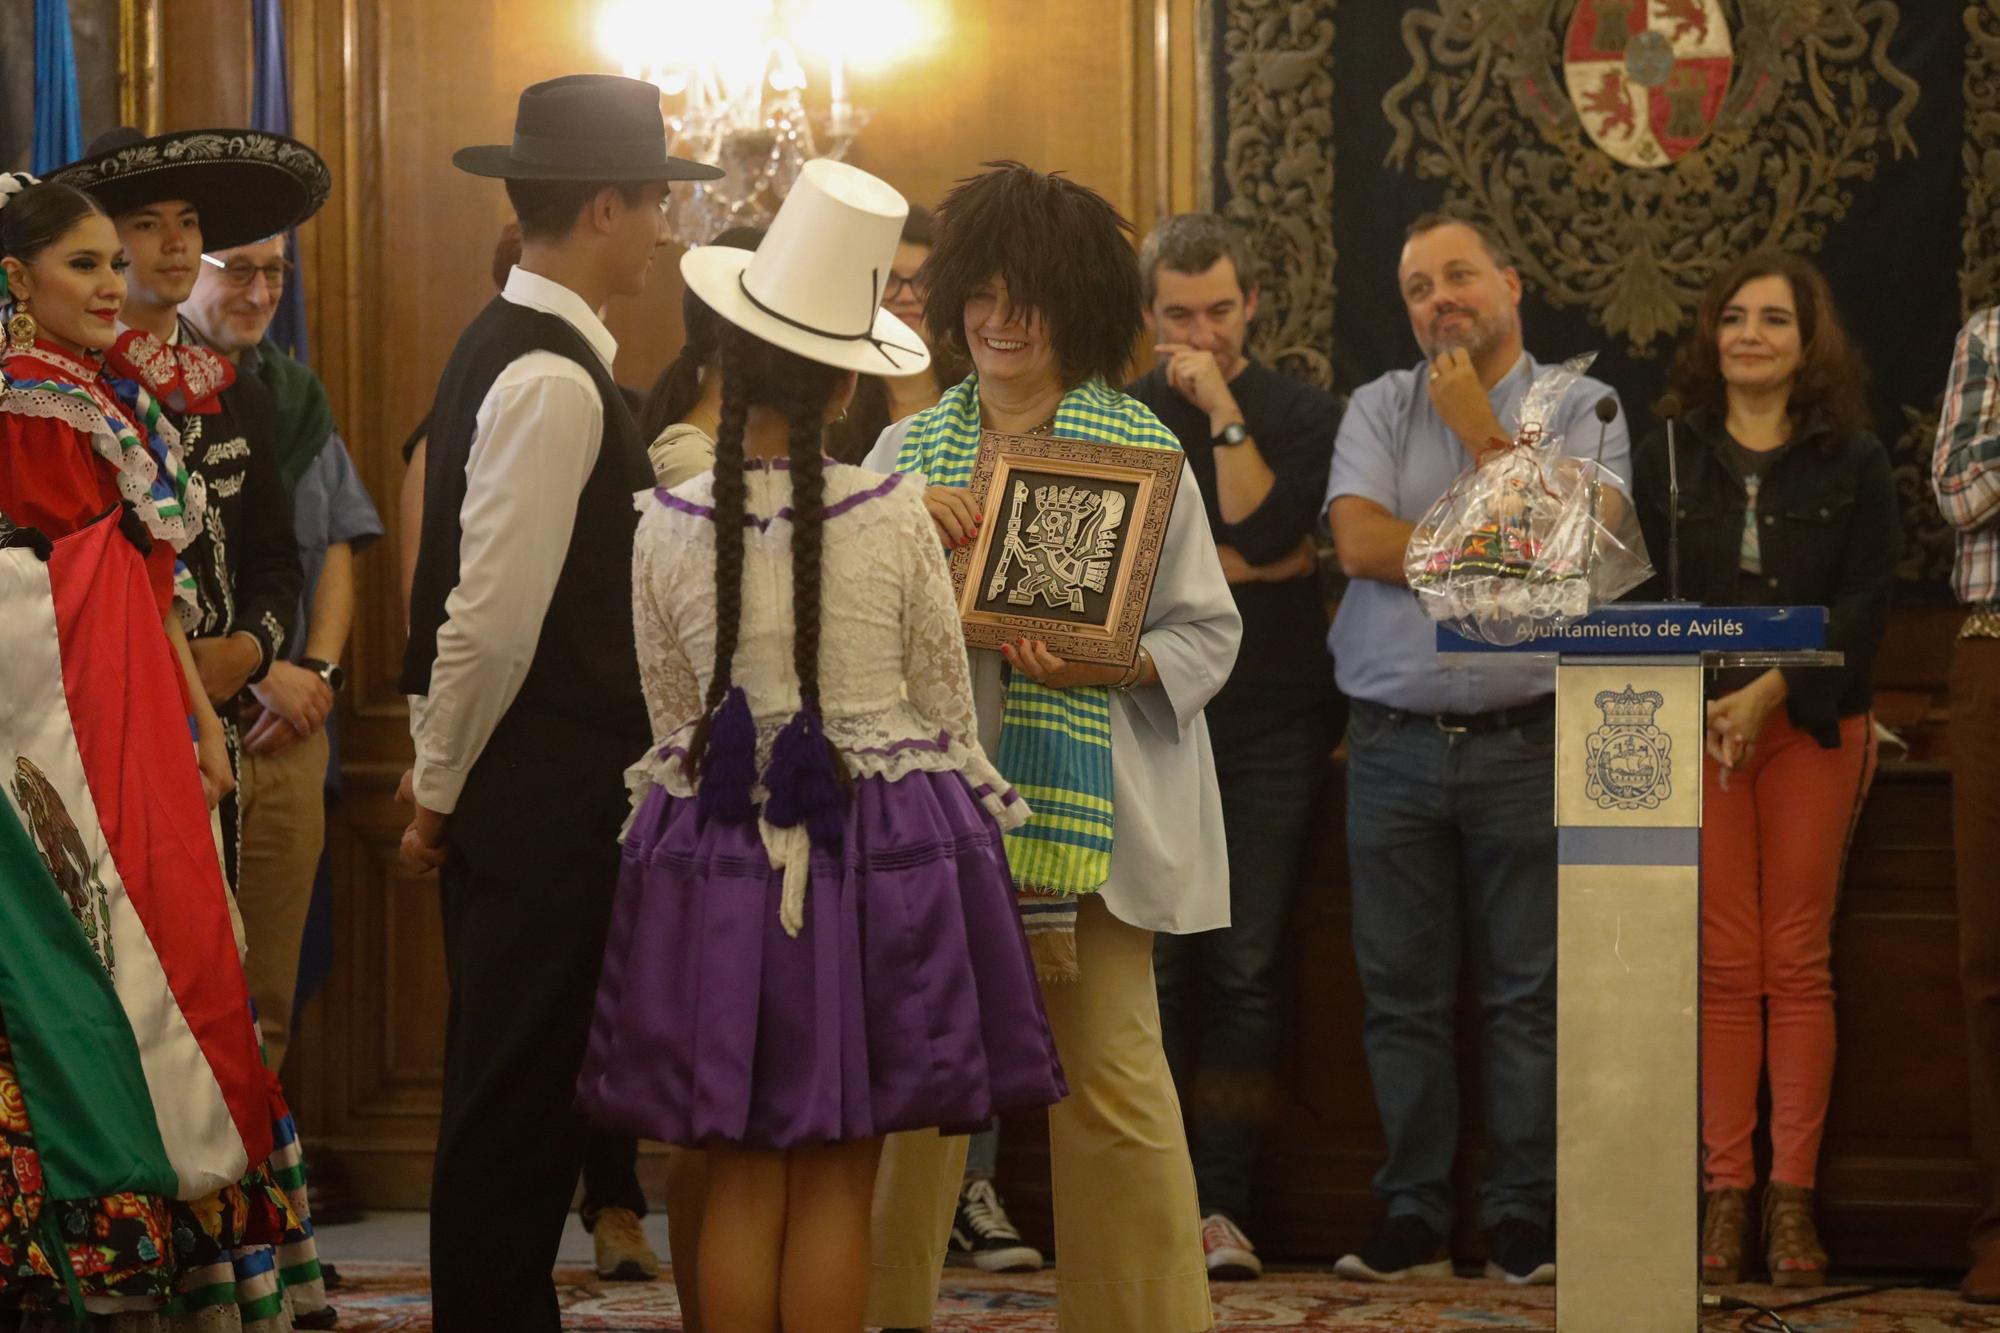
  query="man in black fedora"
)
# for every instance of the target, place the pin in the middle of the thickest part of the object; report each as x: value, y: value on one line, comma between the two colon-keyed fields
x: 524, y: 684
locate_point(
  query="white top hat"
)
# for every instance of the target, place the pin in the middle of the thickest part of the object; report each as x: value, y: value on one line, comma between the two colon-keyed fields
x: 814, y: 286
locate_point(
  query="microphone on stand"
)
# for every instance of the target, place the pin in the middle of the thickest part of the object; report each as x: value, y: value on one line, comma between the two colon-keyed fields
x: 1607, y: 412
x: 1669, y: 407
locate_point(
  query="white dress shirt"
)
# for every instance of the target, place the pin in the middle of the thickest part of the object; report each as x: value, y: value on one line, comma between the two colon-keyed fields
x: 535, y: 441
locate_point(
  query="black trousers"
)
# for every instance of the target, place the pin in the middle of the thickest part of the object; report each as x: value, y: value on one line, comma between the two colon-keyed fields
x: 525, y: 918
x: 610, y: 1176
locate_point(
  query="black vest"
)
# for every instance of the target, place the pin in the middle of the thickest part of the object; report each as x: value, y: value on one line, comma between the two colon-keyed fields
x: 580, y: 703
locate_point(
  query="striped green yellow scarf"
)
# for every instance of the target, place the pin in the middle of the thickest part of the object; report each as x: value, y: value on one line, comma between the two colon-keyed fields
x: 1055, y: 745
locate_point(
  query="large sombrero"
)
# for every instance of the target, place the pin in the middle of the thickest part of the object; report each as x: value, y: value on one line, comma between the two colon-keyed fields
x: 246, y: 184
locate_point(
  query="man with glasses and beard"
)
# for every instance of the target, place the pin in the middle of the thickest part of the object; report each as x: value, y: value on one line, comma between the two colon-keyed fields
x: 1450, y: 778
x: 285, y: 746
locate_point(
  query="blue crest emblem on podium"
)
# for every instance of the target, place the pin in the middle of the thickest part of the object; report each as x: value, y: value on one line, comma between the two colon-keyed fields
x: 1627, y: 762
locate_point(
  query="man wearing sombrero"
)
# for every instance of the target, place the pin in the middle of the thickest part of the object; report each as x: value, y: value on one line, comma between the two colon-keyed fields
x: 173, y: 196
x: 526, y: 705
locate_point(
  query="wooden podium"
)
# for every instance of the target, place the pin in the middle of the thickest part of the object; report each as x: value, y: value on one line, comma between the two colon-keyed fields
x: 1629, y: 730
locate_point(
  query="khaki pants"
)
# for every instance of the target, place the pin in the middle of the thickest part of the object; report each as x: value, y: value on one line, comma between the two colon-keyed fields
x: 284, y: 830
x: 1128, y: 1230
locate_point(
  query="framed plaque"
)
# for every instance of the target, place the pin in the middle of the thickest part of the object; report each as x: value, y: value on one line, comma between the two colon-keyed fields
x: 1072, y: 536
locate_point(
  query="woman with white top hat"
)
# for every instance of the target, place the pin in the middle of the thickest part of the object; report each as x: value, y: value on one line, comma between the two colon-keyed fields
x: 815, y: 941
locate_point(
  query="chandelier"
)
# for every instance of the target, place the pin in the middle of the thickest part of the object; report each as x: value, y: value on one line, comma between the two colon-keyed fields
x: 733, y: 81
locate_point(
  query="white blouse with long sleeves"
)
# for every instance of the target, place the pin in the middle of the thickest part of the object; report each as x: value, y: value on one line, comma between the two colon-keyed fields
x: 1169, y: 863
x: 895, y: 696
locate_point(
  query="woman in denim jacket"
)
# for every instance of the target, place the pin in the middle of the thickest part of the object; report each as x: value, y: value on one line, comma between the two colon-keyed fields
x: 1785, y: 499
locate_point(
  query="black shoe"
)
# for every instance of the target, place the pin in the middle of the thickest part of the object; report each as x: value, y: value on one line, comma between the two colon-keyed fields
x: 1523, y: 1254
x: 329, y: 1276
x: 981, y: 1232
x: 324, y: 1317
x: 1404, y: 1248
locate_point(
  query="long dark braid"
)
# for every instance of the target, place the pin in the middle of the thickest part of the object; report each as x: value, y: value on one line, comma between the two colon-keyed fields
x: 808, y: 545
x: 731, y: 495
x: 756, y: 373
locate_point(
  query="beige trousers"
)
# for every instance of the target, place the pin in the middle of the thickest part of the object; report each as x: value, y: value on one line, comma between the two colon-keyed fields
x: 282, y: 797
x: 1128, y: 1230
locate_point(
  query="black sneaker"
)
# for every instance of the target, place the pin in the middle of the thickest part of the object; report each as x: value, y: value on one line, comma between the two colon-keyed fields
x: 1404, y: 1248
x: 1523, y: 1254
x: 981, y: 1232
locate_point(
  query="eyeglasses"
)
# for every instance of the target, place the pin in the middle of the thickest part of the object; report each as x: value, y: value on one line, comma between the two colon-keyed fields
x: 898, y: 284
x: 238, y: 273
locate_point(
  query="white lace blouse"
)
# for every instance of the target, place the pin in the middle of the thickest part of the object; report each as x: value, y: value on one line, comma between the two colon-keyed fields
x: 895, y: 695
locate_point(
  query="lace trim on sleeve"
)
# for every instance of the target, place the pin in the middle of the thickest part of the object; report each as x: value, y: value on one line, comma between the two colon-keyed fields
x: 935, y: 670
x: 673, y: 694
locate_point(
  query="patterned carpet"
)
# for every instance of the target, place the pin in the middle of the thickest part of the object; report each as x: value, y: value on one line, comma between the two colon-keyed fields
x: 395, y: 1298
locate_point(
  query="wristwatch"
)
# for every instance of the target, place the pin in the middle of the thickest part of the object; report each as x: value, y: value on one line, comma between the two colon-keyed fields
x: 1234, y: 433
x: 329, y: 672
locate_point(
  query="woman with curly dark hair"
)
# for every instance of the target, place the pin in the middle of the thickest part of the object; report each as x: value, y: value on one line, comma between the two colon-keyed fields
x: 1785, y: 499
x: 1034, y: 281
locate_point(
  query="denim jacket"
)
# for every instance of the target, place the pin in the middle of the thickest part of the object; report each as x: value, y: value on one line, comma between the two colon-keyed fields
x: 1829, y: 532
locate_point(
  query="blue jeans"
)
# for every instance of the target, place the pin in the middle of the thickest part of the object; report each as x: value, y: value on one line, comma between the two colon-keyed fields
x: 1225, y: 1054
x: 1451, y: 839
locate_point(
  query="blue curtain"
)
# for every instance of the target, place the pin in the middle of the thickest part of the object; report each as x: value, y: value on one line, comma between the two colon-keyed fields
x: 271, y: 109
x: 58, y: 114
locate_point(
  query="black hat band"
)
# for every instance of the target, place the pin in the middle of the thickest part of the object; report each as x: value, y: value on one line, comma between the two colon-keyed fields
x: 632, y: 151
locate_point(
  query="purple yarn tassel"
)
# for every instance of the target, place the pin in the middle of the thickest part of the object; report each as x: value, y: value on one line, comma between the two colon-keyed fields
x: 730, y: 767
x: 802, y: 784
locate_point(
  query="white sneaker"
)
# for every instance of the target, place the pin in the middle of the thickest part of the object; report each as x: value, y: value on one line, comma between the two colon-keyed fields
x: 1231, y: 1256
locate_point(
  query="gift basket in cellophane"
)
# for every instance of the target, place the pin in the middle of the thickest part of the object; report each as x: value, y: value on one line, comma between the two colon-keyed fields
x: 1530, y: 537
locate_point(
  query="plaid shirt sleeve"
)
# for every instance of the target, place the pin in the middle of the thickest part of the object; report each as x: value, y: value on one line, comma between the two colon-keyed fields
x: 1965, y: 469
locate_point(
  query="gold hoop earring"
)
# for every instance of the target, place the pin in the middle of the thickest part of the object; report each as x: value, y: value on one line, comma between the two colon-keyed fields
x: 21, y: 328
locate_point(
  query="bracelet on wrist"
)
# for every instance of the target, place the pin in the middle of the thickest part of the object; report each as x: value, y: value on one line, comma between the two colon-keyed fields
x: 1130, y: 679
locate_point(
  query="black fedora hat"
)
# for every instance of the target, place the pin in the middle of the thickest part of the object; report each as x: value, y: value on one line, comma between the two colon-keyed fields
x: 585, y: 127
x: 246, y: 184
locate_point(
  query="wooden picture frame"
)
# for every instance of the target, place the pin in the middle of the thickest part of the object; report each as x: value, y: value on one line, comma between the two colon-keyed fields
x: 1069, y: 547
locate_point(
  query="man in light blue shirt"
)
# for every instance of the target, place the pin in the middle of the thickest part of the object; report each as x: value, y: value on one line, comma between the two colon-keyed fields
x: 1450, y: 777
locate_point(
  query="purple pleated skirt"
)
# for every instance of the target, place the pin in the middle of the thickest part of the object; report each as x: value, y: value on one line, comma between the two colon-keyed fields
x: 908, y: 999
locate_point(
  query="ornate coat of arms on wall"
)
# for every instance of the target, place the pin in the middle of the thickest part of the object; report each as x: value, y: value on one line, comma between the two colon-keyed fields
x: 1625, y: 149
x: 1647, y: 77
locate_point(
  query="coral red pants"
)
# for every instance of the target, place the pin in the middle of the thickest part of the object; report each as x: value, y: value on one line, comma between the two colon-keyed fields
x: 1772, y: 849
